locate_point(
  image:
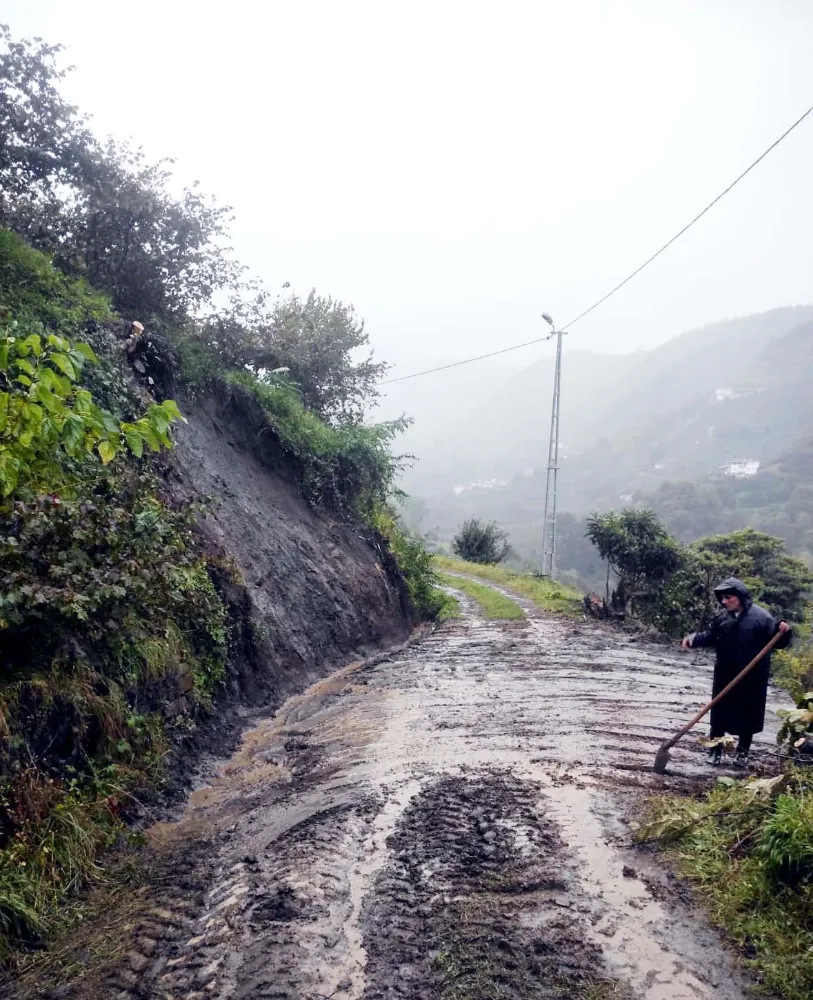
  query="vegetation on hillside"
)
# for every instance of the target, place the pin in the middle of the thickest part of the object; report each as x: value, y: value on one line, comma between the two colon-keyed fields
x: 777, y: 500
x: 116, y: 631
x: 105, y: 598
x: 671, y: 586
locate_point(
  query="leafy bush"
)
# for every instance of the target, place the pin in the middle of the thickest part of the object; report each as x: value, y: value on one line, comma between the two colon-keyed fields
x: 349, y: 468
x: 638, y: 549
x: 481, y: 542
x: 416, y: 565
x: 108, y: 611
x: 50, y: 425
x: 317, y: 340
x: 778, y: 580
x: 31, y: 287
x: 793, y: 669
x: 672, y: 586
x: 797, y: 728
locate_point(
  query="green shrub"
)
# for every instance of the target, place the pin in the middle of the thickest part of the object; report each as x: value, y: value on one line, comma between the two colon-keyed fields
x: 33, y: 289
x: 481, y: 542
x: 793, y: 668
x: 349, y: 468
x: 786, y: 840
x: 416, y: 565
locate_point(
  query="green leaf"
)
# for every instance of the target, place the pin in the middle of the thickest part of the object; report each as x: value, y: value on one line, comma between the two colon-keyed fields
x: 158, y: 419
x: 170, y: 407
x: 150, y: 435
x: 107, y: 451
x: 73, y: 432
x: 86, y: 351
x: 84, y: 403
x: 9, y: 475
x: 23, y: 380
x: 25, y: 366
x: 4, y: 346
x: 109, y: 422
x: 51, y: 402
x: 50, y: 379
x: 64, y: 364
x: 31, y: 345
x: 134, y: 443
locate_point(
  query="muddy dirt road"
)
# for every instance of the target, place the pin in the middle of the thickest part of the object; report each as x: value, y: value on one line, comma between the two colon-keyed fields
x: 445, y: 822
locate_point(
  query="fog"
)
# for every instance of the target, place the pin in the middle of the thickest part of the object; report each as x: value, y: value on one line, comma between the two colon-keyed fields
x: 455, y: 168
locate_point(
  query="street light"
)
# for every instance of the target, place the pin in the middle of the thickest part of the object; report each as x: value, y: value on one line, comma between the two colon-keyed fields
x: 549, y: 516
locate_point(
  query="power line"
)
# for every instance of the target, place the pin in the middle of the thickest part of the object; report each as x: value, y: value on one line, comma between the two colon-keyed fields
x: 620, y: 285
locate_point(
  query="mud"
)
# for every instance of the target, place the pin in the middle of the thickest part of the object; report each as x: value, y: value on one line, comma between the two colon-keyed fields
x: 449, y: 821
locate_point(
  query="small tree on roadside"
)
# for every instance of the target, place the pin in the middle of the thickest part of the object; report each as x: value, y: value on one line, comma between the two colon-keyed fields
x: 637, y: 548
x: 481, y: 542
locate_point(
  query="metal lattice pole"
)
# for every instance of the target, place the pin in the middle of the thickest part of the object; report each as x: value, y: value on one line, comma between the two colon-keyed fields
x: 551, y: 483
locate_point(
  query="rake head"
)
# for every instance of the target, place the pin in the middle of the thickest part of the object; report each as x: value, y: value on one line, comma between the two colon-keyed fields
x: 661, y: 760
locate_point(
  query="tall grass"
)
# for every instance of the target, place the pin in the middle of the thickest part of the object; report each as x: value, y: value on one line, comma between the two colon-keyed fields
x: 545, y: 594
x: 491, y: 602
x: 748, y: 849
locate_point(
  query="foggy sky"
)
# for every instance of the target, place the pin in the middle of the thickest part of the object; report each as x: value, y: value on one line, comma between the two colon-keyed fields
x: 456, y: 168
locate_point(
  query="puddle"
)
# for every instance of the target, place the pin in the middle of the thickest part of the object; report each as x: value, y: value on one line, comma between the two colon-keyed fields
x: 627, y: 923
x: 361, y: 878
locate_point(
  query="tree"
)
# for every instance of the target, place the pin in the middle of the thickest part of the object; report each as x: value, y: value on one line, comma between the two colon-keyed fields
x: 637, y: 547
x: 778, y: 580
x: 101, y: 210
x: 481, y: 542
x: 317, y: 339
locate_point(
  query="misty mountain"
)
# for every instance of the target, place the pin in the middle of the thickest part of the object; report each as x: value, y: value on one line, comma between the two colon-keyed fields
x: 713, y: 403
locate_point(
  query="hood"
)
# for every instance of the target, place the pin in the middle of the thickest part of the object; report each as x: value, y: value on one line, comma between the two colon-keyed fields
x: 737, y: 587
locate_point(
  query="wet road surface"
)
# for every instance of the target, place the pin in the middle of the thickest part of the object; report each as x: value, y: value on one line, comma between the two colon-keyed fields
x: 446, y: 821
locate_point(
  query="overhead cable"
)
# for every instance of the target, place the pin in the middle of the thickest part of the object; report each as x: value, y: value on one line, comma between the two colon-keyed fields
x: 620, y: 285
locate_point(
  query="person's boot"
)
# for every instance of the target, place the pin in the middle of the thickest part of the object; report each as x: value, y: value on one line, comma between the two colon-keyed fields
x: 741, y: 759
x: 715, y: 755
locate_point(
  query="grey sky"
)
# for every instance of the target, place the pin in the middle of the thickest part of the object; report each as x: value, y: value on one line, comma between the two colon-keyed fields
x: 454, y: 168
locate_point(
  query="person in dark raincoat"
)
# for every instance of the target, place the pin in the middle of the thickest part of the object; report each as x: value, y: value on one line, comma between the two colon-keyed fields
x: 738, y: 633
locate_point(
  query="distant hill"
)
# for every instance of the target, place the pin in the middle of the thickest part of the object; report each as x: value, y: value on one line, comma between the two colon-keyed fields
x: 692, y: 409
x: 778, y: 499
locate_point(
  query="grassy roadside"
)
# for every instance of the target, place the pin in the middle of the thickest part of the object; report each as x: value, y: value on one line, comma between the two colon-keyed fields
x: 492, y: 603
x: 546, y: 594
x: 747, y: 847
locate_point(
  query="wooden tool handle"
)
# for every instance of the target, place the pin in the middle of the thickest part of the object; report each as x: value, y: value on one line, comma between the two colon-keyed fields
x: 768, y: 647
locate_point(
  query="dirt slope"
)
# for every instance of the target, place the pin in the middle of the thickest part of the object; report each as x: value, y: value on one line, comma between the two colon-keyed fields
x: 316, y: 590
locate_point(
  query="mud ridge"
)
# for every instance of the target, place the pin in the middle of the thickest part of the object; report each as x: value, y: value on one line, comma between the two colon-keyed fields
x: 475, y: 902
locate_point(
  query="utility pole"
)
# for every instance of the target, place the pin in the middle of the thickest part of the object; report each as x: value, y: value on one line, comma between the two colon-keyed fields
x: 549, y: 516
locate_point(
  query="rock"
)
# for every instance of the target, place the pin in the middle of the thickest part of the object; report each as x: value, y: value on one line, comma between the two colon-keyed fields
x: 629, y: 872
x: 136, y: 961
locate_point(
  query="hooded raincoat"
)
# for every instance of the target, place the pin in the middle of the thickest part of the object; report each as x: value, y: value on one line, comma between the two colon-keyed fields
x: 737, y: 639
